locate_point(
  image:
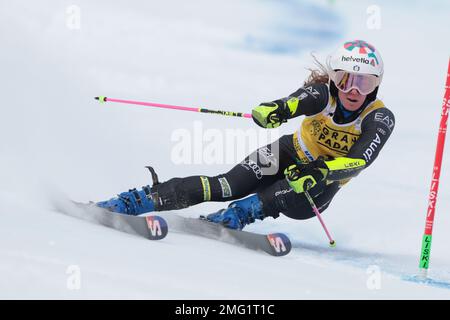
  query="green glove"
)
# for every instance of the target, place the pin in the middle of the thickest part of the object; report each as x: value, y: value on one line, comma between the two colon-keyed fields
x: 303, y: 177
x: 269, y: 114
x: 273, y: 114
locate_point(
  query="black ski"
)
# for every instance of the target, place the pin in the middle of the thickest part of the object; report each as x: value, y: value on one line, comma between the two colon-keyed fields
x: 155, y: 227
x: 152, y: 227
x: 275, y: 244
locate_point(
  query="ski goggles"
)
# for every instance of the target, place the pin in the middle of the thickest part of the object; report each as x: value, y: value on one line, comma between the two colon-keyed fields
x: 346, y: 81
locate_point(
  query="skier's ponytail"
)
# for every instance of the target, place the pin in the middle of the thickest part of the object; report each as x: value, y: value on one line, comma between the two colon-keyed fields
x: 317, y: 75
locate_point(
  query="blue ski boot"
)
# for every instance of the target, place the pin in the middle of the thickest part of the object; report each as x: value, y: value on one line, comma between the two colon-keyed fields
x: 132, y: 202
x: 239, y: 213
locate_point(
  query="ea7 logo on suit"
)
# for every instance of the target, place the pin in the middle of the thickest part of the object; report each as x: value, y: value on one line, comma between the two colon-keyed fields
x: 313, y: 92
x: 379, y: 116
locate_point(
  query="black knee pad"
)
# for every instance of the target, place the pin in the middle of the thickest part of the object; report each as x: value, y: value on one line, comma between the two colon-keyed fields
x: 279, y: 197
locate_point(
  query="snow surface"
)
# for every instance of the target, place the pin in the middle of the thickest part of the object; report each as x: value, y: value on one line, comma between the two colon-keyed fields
x: 225, y: 55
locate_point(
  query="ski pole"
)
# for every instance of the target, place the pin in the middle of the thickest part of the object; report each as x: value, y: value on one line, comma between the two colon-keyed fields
x: 316, y: 211
x: 103, y: 99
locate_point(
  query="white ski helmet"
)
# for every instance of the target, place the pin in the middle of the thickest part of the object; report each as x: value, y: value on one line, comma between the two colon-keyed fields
x: 355, y: 59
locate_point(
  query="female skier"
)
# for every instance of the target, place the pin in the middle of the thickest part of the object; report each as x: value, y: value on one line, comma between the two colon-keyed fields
x: 343, y: 132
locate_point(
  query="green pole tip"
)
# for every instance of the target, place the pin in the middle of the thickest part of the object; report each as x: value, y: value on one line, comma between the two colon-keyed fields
x: 101, y: 99
x: 332, y: 244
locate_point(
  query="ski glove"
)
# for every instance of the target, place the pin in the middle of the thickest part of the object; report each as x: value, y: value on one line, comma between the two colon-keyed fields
x: 303, y: 177
x: 273, y: 114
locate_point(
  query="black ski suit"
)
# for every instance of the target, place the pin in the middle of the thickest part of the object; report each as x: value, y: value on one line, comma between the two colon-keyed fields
x: 276, y: 196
